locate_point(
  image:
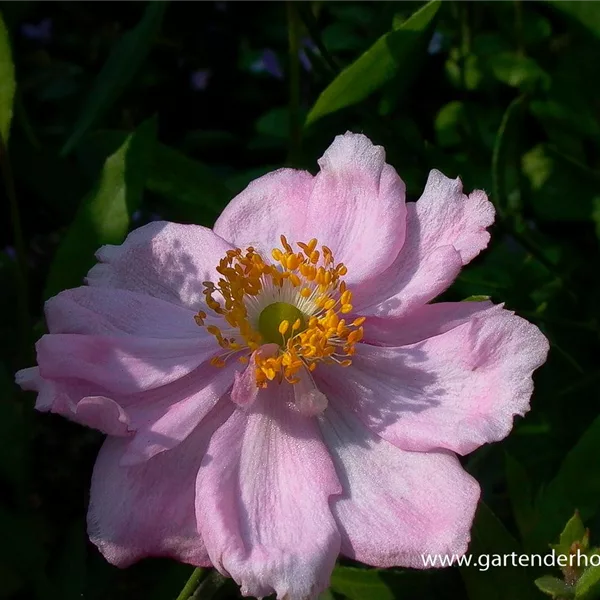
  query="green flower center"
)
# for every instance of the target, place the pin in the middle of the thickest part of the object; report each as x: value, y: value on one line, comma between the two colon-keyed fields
x: 279, y: 321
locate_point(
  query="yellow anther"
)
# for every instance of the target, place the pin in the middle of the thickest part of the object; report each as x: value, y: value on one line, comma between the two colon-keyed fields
x: 307, y: 298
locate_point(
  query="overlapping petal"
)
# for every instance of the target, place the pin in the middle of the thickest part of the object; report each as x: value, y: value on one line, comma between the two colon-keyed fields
x: 165, y: 260
x: 263, y: 500
x: 457, y: 390
x: 137, y: 511
x: 108, y: 311
x: 396, y: 506
x: 445, y: 230
x: 354, y: 205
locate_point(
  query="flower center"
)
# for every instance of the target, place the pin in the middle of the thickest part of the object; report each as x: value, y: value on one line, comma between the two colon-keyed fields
x: 298, y: 302
x: 280, y: 320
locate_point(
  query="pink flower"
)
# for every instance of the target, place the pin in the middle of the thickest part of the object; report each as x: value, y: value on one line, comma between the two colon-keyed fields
x: 304, y: 400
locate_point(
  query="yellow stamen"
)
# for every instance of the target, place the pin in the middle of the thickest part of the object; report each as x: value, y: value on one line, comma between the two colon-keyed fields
x: 303, y: 318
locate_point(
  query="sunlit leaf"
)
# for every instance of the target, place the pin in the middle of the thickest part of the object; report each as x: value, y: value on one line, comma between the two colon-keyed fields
x: 389, y: 55
x: 104, y: 215
x: 193, y: 190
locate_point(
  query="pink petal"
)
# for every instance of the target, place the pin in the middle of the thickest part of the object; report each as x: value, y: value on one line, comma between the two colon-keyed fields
x: 165, y: 260
x: 424, y: 322
x: 445, y: 230
x: 270, y: 206
x: 165, y: 416
x: 109, y: 311
x: 76, y: 401
x: 396, y: 506
x: 122, y: 364
x: 357, y: 208
x: 263, y: 500
x: 458, y: 390
x: 148, y: 510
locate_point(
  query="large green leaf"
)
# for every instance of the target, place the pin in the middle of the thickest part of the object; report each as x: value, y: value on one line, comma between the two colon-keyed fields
x: 7, y: 82
x: 104, y: 215
x: 484, y: 581
x: 585, y: 13
x: 391, y: 54
x: 121, y: 66
x: 575, y: 487
x: 193, y: 191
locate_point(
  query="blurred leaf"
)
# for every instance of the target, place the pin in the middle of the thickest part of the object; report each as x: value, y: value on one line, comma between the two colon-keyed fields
x: 521, y: 495
x: 7, y: 82
x: 576, y: 486
x: 479, y: 298
x: 104, y: 215
x: 585, y: 13
x: 391, y: 54
x: 554, y: 587
x: 503, y: 158
x: 449, y: 122
x: 553, y: 194
x: 358, y: 584
x: 489, y: 537
x: 122, y: 64
x: 194, y: 192
x: 518, y: 71
x: 588, y: 585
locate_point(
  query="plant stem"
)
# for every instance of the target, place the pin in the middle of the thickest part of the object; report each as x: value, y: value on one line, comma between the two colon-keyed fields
x: 294, y: 77
x: 192, y: 583
x: 21, y: 272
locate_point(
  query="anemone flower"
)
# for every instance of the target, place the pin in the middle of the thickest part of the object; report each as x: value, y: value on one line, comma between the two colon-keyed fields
x: 280, y: 390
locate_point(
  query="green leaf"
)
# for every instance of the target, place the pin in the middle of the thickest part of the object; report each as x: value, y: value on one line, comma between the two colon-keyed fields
x: 574, y: 487
x: 518, y: 71
x: 483, y: 580
x: 585, y: 13
x: 120, y: 68
x: 7, y: 82
x: 551, y: 177
x: 194, y: 192
x: 504, y: 149
x: 104, y: 215
x: 521, y: 495
x: 358, y: 584
x: 392, y: 54
x: 588, y: 585
x: 476, y: 298
x: 554, y: 587
x: 574, y: 531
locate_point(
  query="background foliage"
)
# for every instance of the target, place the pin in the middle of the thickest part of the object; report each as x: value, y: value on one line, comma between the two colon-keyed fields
x: 120, y: 113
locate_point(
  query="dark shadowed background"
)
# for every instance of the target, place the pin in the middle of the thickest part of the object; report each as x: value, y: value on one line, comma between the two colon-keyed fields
x: 505, y: 95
